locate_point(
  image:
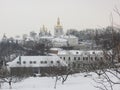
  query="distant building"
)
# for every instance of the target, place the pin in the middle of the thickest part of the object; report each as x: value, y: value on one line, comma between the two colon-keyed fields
x: 78, y: 57
x: 55, y: 50
x: 65, y: 41
x: 71, y: 40
x: 58, y: 29
x: 4, y: 38
x: 59, y: 42
x: 59, y: 39
x: 44, y: 32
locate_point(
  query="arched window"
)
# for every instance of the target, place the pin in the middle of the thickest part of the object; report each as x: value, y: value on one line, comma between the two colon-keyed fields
x: 74, y: 58
x: 91, y: 58
x: 86, y: 58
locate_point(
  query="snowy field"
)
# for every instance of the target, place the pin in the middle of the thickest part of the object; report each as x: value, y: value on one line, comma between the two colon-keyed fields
x: 74, y: 82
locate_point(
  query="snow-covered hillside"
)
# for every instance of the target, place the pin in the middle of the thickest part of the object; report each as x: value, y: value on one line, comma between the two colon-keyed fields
x: 74, y: 82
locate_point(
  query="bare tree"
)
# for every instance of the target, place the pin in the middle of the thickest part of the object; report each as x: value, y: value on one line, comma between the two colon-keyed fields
x: 7, y: 77
x: 110, y: 75
x: 33, y: 34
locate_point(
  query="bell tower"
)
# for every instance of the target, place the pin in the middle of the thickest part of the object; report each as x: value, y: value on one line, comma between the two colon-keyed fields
x: 58, y: 29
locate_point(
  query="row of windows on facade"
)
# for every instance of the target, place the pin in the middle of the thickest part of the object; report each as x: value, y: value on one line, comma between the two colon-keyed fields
x: 84, y: 58
x: 34, y: 62
x: 77, y: 65
x: 86, y: 53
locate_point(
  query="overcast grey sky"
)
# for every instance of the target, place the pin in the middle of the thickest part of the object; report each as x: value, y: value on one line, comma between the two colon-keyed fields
x: 22, y: 16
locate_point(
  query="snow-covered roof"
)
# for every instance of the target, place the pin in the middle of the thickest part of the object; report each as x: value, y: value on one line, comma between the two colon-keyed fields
x: 63, y: 52
x: 46, y: 37
x: 95, y: 52
x: 59, y: 40
x: 70, y: 52
x: 69, y: 36
x: 29, y: 39
x: 79, y: 52
x: 56, y: 49
x: 36, y: 61
x: 85, y: 43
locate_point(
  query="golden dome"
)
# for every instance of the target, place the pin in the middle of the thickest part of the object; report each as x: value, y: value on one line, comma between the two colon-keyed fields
x: 58, y: 22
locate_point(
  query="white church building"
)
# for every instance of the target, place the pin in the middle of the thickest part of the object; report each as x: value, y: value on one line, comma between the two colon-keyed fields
x: 59, y: 39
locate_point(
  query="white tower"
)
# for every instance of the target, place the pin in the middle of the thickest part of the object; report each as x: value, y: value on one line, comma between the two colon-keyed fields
x: 58, y: 29
x: 43, y: 31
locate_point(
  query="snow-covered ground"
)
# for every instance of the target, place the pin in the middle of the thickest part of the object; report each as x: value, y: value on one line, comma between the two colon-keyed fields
x: 74, y: 82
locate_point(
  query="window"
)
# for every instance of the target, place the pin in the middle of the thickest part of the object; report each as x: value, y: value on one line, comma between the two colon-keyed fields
x: 30, y: 62
x: 52, y: 62
x: 91, y: 58
x: 34, y: 62
x: 83, y: 58
x: 95, y: 58
x: 24, y: 62
x: 77, y: 52
x: 74, y: 58
x: 86, y: 58
x: 68, y: 58
x: 101, y: 58
x: 58, y: 62
x: 93, y: 52
x: 64, y: 58
x: 60, y: 57
x: 41, y: 62
x: 45, y: 62
x: 78, y: 58
x: 18, y: 62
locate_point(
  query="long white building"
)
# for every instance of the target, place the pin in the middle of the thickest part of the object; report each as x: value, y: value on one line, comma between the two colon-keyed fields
x: 82, y: 57
x: 36, y: 64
